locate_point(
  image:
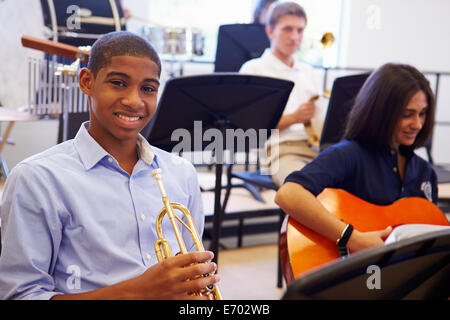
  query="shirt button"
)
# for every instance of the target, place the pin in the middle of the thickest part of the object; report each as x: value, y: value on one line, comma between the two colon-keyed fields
x: 143, y: 216
x: 110, y: 159
x: 148, y: 256
x: 395, y: 169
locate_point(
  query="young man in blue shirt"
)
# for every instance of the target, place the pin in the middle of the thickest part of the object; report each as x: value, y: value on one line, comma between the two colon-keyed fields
x: 78, y: 220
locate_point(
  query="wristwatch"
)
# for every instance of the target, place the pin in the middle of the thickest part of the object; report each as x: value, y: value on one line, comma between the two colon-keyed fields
x: 342, y: 241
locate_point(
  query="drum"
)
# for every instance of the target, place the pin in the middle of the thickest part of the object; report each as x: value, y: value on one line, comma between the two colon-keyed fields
x: 174, y: 41
x: 81, y: 22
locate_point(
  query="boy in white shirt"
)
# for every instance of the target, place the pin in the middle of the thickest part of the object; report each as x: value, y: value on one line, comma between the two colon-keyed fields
x: 285, y: 25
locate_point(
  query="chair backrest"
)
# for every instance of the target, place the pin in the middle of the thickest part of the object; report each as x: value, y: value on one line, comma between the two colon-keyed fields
x: 238, y: 43
x: 95, y: 18
x: 343, y: 94
x: 73, y: 124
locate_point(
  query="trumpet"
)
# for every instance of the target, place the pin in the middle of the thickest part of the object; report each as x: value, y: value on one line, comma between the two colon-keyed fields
x: 162, y: 247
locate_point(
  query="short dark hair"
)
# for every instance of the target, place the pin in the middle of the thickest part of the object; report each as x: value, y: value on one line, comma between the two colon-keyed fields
x: 277, y: 10
x: 380, y: 102
x: 120, y: 43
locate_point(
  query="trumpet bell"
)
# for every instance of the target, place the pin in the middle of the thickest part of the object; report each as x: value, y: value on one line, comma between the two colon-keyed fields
x: 327, y: 39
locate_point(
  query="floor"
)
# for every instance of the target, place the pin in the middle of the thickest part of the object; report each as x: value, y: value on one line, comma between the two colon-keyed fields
x: 250, y: 272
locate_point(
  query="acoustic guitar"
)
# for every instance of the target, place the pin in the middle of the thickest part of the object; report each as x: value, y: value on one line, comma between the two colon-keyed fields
x: 303, y: 250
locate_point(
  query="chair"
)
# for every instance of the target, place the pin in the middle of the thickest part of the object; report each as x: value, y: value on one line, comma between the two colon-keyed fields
x: 238, y: 43
x: 443, y: 175
x: 73, y: 125
x: 342, y: 97
x: 255, y: 178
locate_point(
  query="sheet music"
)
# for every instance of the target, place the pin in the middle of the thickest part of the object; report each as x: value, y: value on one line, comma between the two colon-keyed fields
x: 412, y: 230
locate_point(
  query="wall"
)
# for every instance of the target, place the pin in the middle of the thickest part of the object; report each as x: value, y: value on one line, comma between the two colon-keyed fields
x: 373, y: 32
x: 409, y: 31
x: 19, y: 17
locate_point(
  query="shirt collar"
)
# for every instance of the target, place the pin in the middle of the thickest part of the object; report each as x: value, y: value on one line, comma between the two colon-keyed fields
x: 91, y: 152
x: 268, y: 54
x: 407, y: 151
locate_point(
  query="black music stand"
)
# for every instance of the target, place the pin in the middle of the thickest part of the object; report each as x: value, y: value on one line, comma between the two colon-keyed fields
x: 238, y: 43
x: 220, y: 101
x: 342, y: 97
x: 414, y: 268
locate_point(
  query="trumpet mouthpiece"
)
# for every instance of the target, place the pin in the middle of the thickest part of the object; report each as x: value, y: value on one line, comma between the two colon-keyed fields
x: 157, y: 174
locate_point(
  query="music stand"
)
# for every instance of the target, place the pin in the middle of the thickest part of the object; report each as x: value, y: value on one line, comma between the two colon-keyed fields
x: 238, y: 43
x: 219, y: 101
x: 342, y: 97
x: 414, y: 268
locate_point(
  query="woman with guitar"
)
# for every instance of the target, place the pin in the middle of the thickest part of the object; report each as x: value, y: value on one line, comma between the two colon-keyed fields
x: 393, y: 115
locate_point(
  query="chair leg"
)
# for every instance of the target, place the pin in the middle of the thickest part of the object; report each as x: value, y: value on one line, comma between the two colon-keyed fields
x: 4, y: 167
x: 280, y: 271
x: 240, y: 232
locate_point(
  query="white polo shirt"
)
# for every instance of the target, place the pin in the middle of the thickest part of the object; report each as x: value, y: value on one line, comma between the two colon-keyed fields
x: 304, y: 78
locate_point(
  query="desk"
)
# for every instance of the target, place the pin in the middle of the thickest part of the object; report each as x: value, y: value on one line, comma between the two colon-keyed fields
x: 11, y: 116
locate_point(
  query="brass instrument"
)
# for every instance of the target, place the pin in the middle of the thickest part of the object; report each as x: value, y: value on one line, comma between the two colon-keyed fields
x: 313, y: 138
x: 327, y: 40
x: 162, y: 247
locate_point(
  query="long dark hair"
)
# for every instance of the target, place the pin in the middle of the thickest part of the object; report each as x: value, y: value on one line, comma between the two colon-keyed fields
x: 379, y: 104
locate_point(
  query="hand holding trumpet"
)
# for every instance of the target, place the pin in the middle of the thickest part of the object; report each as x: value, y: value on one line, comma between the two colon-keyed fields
x: 305, y: 111
x: 303, y: 114
x: 167, y: 279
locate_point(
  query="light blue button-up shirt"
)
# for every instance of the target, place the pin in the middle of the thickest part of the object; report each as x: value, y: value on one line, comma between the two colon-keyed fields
x: 74, y: 221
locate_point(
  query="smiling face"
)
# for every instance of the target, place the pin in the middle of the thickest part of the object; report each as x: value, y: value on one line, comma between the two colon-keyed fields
x: 411, y: 120
x: 123, y: 98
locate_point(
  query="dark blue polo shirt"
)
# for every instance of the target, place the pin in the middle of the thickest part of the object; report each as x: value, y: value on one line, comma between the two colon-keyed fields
x: 367, y: 173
